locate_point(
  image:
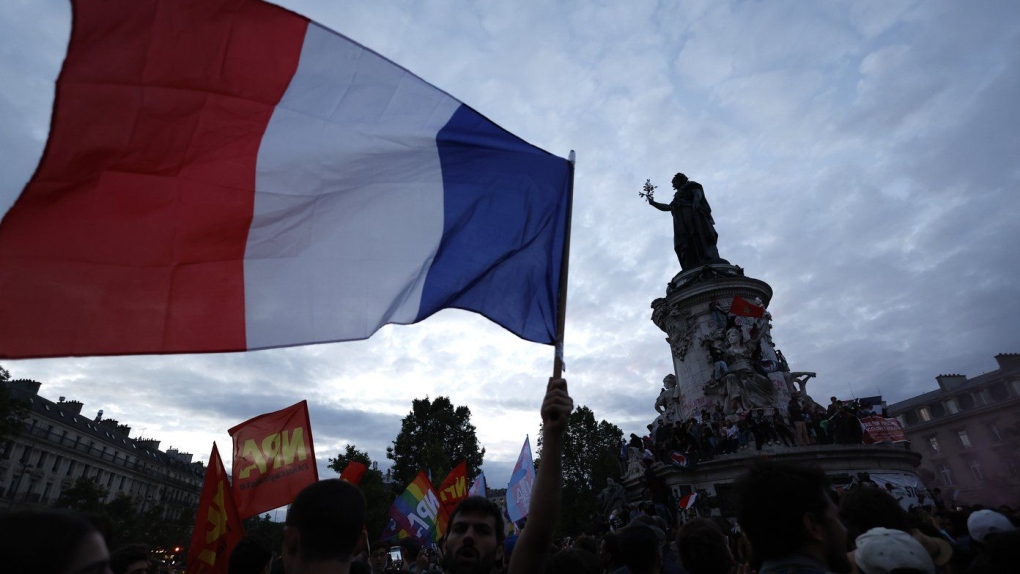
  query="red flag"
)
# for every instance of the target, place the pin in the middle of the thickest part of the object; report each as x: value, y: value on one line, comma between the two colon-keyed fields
x: 354, y: 472
x: 688, y: 501
x: 218, y: 527
x: 745, y: 308
x: 454, y: 488
x: 273, y: 459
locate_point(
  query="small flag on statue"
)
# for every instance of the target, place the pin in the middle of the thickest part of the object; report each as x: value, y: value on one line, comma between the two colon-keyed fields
x: 454, y: 488
x: 687, y: 501
x: 218, y: 528
x: 745, y: 308
x: 478, y: 486
x: 679, y: 459
x: 273, y: 459
x: 518, y: 492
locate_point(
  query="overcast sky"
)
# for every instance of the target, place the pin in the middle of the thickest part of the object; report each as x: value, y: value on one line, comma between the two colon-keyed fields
x: 862, y: 157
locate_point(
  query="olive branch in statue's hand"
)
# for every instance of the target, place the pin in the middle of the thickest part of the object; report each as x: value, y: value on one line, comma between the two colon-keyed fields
x: 649, y: 191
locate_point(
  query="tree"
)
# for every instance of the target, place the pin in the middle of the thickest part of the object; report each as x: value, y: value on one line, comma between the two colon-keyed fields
x: 85, y: 495
x: 13, y: 410
x: 434, y: 437
x: 590, y: 456
x: 379, y: 497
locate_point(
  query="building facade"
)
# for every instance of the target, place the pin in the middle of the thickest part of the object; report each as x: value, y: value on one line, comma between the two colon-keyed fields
x: 58, y: 445
x: 968, y: 431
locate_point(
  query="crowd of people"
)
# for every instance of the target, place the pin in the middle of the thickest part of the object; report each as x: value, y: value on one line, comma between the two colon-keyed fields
x: 789, y: 520
x: 716, y: 434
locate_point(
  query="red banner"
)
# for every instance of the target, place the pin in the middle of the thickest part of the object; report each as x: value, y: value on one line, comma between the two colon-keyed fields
x: 218, y: 527
x: 273, y: 459
x: 880, y: 429
x: 454, y: 488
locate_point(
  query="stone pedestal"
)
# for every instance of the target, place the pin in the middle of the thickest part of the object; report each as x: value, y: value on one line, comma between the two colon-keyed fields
x: 719, y: 334
x: 720, y: 358
x: 843, y: 464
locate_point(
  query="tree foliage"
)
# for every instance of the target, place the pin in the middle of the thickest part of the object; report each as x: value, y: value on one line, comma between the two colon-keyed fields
x: 435, y: 436
x: 590, y: 456
x: 13, y: 410
x: 126, y: 523
x: 85, y: 495
x: 379, y: 497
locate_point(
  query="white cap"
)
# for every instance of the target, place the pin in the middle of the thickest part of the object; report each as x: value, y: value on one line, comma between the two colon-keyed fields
x: 984, y: 522
x: 882, y: 550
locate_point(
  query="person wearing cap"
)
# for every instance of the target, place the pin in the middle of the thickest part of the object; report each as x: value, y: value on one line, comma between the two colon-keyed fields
x: 888, y: 551
x: 982, y: 524
x: 867, y: 507
x: 324, y: 528
x: 787, y: 513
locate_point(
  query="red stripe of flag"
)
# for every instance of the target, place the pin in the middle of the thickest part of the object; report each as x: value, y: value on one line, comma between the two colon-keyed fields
x: 152, y: 98
x: 745, y: 308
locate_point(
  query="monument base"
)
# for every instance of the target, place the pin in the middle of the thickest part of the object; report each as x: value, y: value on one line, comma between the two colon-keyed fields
x: 713, y: 480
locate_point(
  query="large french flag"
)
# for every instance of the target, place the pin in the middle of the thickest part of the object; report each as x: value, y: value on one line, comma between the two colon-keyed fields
x: 225, y: 175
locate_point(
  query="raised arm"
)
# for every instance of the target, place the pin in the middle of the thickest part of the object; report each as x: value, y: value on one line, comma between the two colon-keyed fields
x: 659, y: 206
x: 544, y: 509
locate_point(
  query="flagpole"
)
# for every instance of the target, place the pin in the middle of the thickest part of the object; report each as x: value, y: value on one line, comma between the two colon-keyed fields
x: 561, y: 311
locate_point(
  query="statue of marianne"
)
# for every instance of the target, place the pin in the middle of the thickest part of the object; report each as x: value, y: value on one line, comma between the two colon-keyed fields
x: 694, y: 236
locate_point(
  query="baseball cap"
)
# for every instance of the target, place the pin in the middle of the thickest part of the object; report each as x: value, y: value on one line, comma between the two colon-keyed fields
x: 883, y: 550
x: 984, y: 522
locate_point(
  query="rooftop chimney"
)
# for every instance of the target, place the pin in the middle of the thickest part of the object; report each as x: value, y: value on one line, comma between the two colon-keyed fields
x: 72, y: 406
x: 950, y: 382
x: 27, y: 386
x: 1008, y: 361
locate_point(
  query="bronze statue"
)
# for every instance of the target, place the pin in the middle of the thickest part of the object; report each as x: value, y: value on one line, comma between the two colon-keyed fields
x: 694, y: 236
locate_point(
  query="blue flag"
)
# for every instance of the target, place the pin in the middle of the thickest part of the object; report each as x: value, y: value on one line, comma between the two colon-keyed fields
x: 518, y: 492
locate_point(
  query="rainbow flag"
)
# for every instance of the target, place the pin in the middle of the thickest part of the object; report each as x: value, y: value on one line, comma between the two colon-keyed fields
x: 418, y: 512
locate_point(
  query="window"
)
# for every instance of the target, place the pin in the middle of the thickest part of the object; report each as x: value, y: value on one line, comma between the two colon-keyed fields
x: 951, y: 406
x: 1015, y: 385
x: 924, y: 413
x: 947, y: 474
x: 964, y: 439
x: 56, y: 463
x: 933, y: 442
x: 983, y: 398
x: 993, y: 429
x: 975, y: 469
x: 27, y: 452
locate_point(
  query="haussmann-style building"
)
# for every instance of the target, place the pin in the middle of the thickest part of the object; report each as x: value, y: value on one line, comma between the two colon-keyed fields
x: 968, y: 431
x: 58, y: 445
